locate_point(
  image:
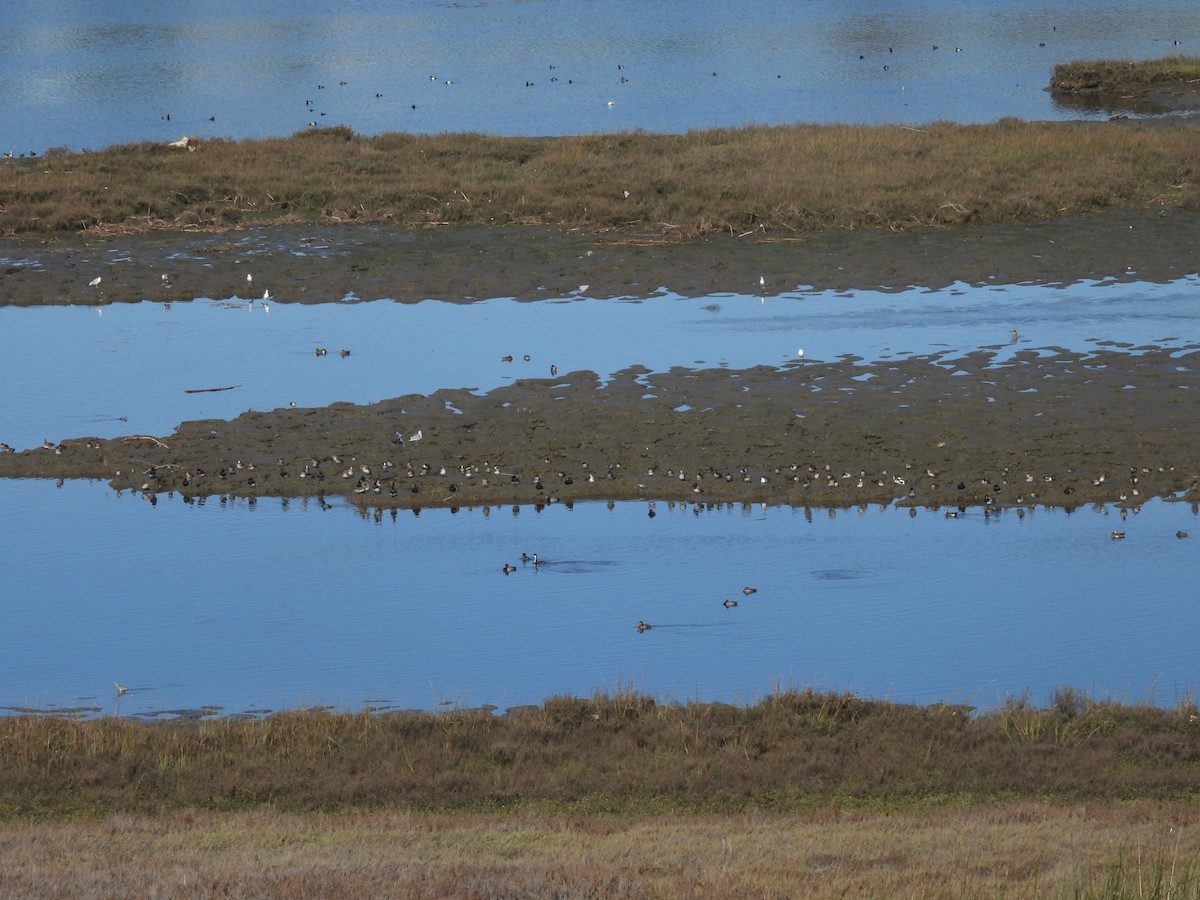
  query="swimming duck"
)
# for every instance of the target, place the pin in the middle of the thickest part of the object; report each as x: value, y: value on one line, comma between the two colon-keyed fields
x: 643, y: 626
x: 321, y: 351
x: 749, y: 590
x: 509, y: 568
x: 729, y: 604
x: 343, y: 353
x: 1181, y: 534
x: 1118, y: 535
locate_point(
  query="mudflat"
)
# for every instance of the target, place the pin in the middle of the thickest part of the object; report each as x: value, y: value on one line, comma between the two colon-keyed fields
x: 1047, y: 426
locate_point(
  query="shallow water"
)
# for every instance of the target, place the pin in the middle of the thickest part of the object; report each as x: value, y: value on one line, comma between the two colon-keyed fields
x: 90, y: 75
x: 123, y: 369
x: 278, y: 604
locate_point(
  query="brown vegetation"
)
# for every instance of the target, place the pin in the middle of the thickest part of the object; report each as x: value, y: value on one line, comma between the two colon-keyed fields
x: 616, y: 754
x: 1021, y: 849
x: 1118, y: 76
x: 779, y: 181
x: 803, y: 794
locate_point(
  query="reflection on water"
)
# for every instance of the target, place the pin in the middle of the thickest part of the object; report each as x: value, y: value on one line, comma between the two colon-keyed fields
x: 281, y: 604
x: 90, y: 75
x: 123, y: 369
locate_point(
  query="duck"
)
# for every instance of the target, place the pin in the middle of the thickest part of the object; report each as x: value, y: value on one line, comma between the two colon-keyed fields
x: 343, y: 353
x: 1181, y: 534
x: 643, y: 626
x: 749, y: 590
x: 508, y: 568
x: 525, y: 557
x: 730, y: 604
x: 1118, y: 535
x: 321, y: 351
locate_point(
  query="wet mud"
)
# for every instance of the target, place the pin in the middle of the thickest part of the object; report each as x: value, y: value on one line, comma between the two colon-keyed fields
x: 320, y: 264
x: 1046, y: 426
x: 1054, y: 428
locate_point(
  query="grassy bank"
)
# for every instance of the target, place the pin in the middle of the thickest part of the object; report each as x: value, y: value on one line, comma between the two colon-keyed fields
x: 777, y: 182
x: 622, y: 754
x: 1122, y: 76
x: 1029, y: 849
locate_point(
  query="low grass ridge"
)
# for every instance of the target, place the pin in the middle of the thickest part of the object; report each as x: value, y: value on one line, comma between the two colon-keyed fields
x: 770, y: 181
x: 1117, y: 76
x: 618, y: 753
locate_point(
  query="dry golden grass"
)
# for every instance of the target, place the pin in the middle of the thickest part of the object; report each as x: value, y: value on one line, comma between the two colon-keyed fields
x: 776, y: 181
x: 1016, y: 850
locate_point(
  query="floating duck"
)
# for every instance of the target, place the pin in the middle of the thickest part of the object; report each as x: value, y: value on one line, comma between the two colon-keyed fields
x: 321, y: 351
x: 1181, y: 534
x: 1118, y: 535
x: 729, y: 604
x: 749, y: 590
x: 508, y: 568
x: 643, y: 626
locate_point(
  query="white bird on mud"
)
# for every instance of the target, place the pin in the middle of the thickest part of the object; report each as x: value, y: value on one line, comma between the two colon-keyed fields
x: 415, y: 437
x: 95, y: 281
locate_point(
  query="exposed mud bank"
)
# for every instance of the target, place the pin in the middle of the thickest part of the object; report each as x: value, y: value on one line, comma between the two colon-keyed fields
x: 1057, y: 429
x: 322, y: 264
x: 1052, y: 427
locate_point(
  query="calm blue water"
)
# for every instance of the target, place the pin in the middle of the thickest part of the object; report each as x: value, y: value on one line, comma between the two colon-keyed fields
x: 139, y: 359
x: 92, y: 74
x: 282, y: 605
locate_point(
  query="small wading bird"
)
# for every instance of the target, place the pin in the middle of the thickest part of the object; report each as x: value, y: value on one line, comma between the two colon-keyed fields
x: 121, y: 689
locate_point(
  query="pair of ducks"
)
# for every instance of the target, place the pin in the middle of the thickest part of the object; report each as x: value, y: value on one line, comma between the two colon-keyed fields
x: 321, y: 351
x: 525, y: 558
x: 728, y: 604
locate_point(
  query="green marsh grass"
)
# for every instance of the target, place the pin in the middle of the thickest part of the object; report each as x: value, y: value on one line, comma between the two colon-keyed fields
x: 773, y: 182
